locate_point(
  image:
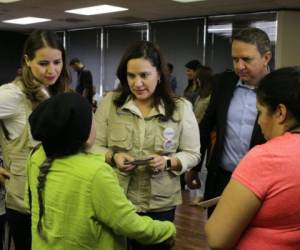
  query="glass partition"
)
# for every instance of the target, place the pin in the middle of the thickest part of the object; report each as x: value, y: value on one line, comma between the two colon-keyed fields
x: 115, y: 42
x: 86, y: 45
x: 180, y: 41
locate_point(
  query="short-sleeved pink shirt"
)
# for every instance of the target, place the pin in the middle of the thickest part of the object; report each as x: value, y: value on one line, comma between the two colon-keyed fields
x: 272, y: 172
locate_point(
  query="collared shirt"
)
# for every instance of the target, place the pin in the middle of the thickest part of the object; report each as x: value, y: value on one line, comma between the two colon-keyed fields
x: 12, y: 112
x: 240, y: 121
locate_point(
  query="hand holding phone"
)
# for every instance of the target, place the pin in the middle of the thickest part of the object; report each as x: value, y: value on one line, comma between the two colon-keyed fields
x: 141, y: 161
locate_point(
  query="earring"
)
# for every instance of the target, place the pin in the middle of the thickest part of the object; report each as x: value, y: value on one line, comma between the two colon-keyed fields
x: 158, y: 81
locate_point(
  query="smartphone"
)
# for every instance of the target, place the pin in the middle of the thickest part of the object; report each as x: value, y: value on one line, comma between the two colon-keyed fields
x: 141, y: 161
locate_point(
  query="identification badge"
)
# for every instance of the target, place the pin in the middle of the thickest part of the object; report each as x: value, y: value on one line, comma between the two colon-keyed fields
x: 169, y: 133
x: 169, y: 144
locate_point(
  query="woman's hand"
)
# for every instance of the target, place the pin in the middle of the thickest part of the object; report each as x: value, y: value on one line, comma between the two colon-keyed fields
x: 121, y: 159
x: 158, y: 163
x: 192, y: 179
x: 4, y: 175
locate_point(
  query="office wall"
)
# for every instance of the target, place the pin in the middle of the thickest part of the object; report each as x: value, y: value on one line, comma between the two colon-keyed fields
x: 11, y: 46
x: 288, y: 39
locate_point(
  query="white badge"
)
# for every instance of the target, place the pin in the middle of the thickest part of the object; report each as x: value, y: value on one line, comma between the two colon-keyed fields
x: 169, y: 133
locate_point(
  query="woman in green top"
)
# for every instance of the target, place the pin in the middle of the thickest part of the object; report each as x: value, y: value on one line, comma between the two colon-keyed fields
x: 75, y: 198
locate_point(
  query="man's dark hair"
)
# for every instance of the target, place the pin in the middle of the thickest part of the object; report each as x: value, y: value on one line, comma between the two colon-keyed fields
x: 170, y: 66
x: 193, y: 64
x: 74, y: 61
x: 254, y: 36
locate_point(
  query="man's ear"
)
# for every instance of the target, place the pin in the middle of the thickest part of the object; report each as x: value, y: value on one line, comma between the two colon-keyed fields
x: 267, y: 57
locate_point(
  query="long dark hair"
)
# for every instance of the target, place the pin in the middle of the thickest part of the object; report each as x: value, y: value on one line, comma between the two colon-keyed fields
x: 33, y: 89
x: 281, y: 86
x: 205, y: 75
x: 163, y: 92
x: 192, y: 65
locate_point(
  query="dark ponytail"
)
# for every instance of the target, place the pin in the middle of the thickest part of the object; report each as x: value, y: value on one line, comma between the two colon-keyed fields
x: 44, y: 170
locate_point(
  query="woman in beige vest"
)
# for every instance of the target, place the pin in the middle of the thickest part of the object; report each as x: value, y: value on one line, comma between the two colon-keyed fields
x: 204, y: 78
x: 147, y: 134
x: 44, y: 73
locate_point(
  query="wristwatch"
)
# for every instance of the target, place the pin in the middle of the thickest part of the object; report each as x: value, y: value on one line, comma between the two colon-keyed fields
x: 168, y: 165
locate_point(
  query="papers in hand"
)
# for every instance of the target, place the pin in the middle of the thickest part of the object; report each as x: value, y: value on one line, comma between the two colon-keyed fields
x: 208, y: 203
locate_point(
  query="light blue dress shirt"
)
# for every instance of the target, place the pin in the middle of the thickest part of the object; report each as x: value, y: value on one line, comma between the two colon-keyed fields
x: 240, y: 121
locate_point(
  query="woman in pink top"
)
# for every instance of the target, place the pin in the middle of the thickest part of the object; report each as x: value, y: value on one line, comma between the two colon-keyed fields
x: 259, y: 209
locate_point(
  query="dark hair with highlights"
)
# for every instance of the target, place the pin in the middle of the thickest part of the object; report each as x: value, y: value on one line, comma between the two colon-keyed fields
x: 205, y: 75
x: 163, y: 93
x: 33, y: 89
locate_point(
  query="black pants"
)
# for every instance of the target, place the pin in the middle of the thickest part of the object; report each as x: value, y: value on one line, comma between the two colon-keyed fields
x: 162, y: 216
x: 20, y: 228
x: 215, y: 183
x: 2, y: 230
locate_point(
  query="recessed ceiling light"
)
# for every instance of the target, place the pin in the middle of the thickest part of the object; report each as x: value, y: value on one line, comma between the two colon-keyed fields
x: 95, y: 10
x: 9, y: 1
x: 188, y: 1
x: 27, y: 20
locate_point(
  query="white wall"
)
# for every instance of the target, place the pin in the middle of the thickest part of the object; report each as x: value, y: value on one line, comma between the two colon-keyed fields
x: 288, y: 39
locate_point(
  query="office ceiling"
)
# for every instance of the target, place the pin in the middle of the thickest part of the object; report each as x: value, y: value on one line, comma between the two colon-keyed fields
x: 139, y: 11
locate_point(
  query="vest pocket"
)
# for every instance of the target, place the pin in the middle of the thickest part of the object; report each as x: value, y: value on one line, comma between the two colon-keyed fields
x: 17, y: 166
x: 165, y: 190
x: 120, y: 136
x: 124, y: 179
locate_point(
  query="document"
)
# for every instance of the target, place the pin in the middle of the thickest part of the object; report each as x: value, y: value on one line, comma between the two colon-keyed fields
x: 209, y: 203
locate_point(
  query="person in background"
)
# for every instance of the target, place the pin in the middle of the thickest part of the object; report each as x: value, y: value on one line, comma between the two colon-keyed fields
x: 204, y: 76
x: 172, y: 79
x: 84, y: 79
x: 75, y: 199
x: 44, y: 73
x: 259, y: 208
x: 191, y: 90
x: 148, y: 135
x: 232, y: 110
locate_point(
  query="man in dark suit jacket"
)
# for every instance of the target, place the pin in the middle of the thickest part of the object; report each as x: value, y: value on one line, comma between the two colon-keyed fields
x: 232, y: 111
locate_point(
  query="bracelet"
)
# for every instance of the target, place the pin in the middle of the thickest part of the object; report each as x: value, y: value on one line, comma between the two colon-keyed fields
x: 112, y: 160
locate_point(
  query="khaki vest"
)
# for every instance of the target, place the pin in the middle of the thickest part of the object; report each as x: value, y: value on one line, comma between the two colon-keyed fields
x: 15, y: 153
x: 141, y: 137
